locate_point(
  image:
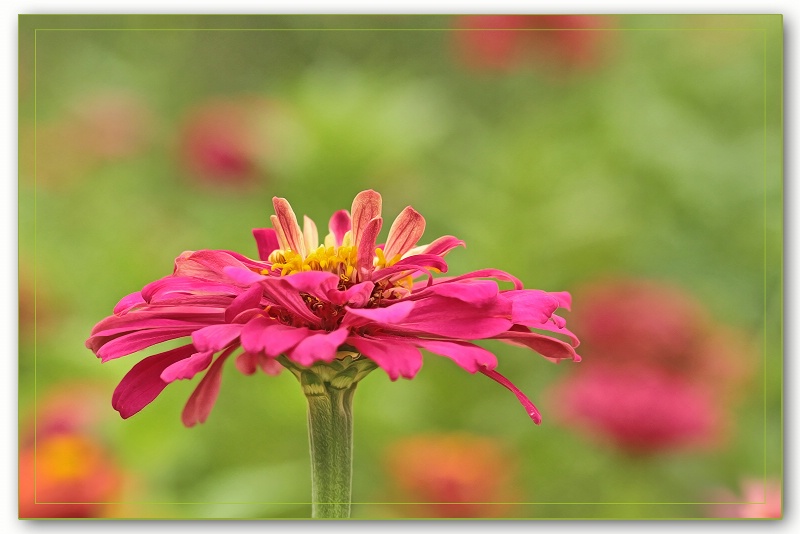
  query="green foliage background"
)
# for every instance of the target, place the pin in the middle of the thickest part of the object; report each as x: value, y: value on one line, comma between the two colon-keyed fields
x: 662, y: 162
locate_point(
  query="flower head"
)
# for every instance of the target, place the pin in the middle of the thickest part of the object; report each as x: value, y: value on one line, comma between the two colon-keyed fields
x: 307, y: 303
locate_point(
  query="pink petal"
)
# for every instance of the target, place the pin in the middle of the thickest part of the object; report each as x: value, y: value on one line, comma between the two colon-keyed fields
x: 420, y: 262
x: 315, y: 283
x: 318, y: 346
x: 390, y: 315
x: 215, y: 337
x: 157, y: 316
x: 243, y: 276
x: 270, y: 366
x: 469, y: 356
x: 270, y: 337
x: 443, y: 245
x: 175, y: 286
x: 249, y: 299
x: 202, y: 400
x: 266, y: 241
x: 339, y: 225
x: 564, y: 299
x: 136, y: 341
x: 477, y: 292
x: 531, y: 307
x: 553, y: 349
x: 393, y: 355
x: 483, y: 273
x: 187, y: 368
x: 205, y: 264
x: 288, y: 223
x: 142, y: 384
x: 406, y: 230
x: 366, y: 247
x: 366, y: 207
x: 525, y: 401
x: 357, y: 296
x: 246, y: 363
x: 128, y: 302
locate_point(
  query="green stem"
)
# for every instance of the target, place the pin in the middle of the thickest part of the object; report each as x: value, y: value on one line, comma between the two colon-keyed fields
x: 330, y: 432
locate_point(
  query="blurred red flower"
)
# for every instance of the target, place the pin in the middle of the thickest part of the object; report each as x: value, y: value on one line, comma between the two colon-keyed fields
x: 660, y: 373
x: 224, y: 141
x: 452, y: 475
x: 508, y: 42
x: 760, y: 499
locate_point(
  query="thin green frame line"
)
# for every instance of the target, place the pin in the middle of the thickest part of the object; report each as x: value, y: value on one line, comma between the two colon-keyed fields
x: 763, y: 30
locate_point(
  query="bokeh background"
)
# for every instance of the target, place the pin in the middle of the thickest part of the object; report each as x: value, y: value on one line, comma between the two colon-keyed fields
x: 634, y: 161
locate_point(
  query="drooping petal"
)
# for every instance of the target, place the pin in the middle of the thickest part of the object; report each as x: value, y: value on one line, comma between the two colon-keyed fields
x: 310, y: 235
x: 468, y: 356
x: 406, y: 230
x: 443, y: 245
x: 318, y: 346
x: 553, y: 349
x: 271, y: 337
x: 394, y: 355
x: 287, y: 222
x: 564, y: 299
x: 205, y: 395
x: 533, y: 413
x: 246, y: 363
x: 366, y: 248
x: 366, y: 207
x: 339, y: 225
x: 143, y: 383
x: 531, y: 307
x: 270, y: 366
x: 215, y: 337
x: 187, y: 368
x: 266, y: 241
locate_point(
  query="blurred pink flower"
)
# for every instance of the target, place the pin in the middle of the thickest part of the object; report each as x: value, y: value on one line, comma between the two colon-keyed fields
x: 452, y: 475
x: 305, y: 303
x: 508, y: 42
x: 662, y: 375
x: 224, y: 141
x: 759, y: 499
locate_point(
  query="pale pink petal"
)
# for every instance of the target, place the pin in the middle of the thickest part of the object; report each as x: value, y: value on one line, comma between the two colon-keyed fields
x: 142, y: 384
x: 553, y: 349
x: 270, y: 337
x: 136, y: 341
x: 366, y: 207
x: 288, y: 223
x: 187, y: 368
x: 470, y: 357
x: 247, y: 300
x: 318, y: 346
x: 202, y: 400
x: 266, y: 241
x: 442, y: 245
x: 215, y: 337
x: 339, y: 225
x: 283, y: 243
x: 525, y: 401
x: 394, y: 355
x: 310, y: 234
x: 128, y: 302
x: 406, y: 230
x: 366, y: 247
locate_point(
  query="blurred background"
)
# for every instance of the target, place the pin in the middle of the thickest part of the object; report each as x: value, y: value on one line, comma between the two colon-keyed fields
x: 634, y: 161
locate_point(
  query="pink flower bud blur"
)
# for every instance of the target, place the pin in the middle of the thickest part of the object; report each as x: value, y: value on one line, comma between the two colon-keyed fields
x: 659, y: 374
x: 758, y: 499
x: 503, y: 43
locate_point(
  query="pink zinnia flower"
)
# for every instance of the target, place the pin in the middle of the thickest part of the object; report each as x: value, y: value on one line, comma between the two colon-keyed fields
x: 303, y: 302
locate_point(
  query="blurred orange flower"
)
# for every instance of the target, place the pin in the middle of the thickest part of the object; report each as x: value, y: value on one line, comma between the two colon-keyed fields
x: 452, y: 475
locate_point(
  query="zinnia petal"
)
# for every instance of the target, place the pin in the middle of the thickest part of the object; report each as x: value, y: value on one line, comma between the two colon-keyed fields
x: 406, y: 230
x: 393, y: 355
x: 287, y: 224
x: 187, y: 368
x: 270, y: 337
x: 366, y: 207
x: 339, y: 225
x: 205, y: 395
x: 470, y: 357
x: 266, y: 241
x: 318, y: 346
x: 525, y: 401
x: 143, y: 383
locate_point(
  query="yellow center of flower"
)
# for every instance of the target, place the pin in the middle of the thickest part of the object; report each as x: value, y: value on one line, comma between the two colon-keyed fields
x: 340, y: 261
